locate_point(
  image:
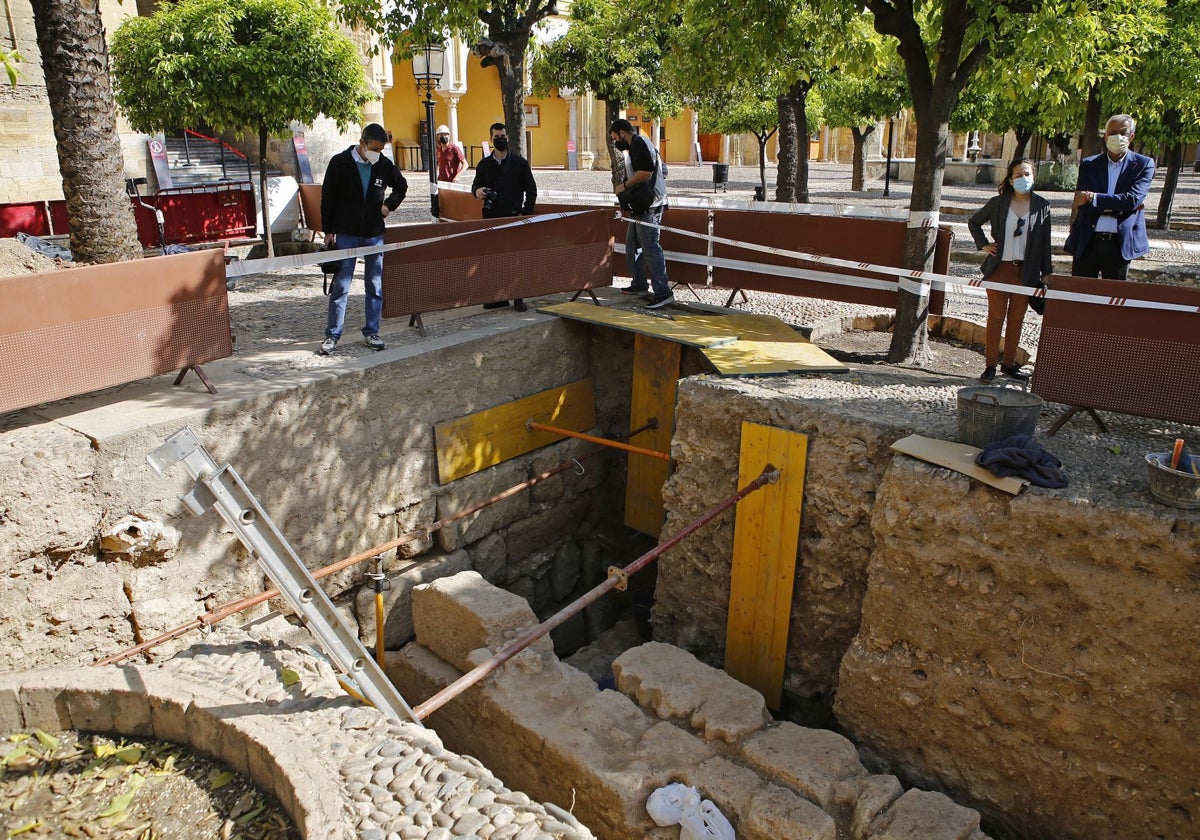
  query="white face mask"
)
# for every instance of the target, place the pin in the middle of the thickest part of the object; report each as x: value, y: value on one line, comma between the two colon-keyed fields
x: 1117, y: 143
x: 1023, y: 184
x: 370, y: 156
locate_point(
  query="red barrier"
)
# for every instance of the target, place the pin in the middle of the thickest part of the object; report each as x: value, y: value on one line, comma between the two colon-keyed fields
x: 30, y: 217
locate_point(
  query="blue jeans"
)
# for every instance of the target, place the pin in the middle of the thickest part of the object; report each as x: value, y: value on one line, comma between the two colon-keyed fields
x: 642, y: 251
x: 339, y: 289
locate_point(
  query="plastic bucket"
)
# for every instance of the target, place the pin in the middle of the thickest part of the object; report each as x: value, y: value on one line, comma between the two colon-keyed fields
x: 1178, y: 488
x: 987, y: 414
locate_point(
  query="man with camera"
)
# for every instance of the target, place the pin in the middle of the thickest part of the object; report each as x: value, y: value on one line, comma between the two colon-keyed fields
x: 504, y: 183
x: 643, y: 195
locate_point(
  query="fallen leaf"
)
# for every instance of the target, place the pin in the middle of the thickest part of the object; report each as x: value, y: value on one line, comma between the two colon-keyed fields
x: 245, y: 818
x: 27, y: 827
x: 217, y: 779
x: 130, y: 755
x: 121, y: 801
x: 46, y: 740
x: 1115, y: 449
x: 289, y: 677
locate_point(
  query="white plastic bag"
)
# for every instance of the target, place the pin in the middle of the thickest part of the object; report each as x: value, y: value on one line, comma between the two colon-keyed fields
x: 677, y: 804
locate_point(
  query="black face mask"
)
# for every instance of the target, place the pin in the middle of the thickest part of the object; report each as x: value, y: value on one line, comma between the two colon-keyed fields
x: 622, y: 145
x: 443, y: 140
x: 500, y: 144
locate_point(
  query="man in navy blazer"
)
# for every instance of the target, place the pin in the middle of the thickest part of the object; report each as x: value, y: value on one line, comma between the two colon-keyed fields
x: 1110, y: 223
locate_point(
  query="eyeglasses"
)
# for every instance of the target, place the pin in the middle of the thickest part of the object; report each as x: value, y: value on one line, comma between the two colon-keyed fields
x: 1020, y: 224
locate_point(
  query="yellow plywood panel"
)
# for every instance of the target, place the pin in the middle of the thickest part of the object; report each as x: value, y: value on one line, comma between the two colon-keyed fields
x: 488, y: 437
x: 762, y: 358
x: 655, y: 380
x: 957, y: 456
x: 745, y: 325
x: 766, y: 535
x: 698, y: 336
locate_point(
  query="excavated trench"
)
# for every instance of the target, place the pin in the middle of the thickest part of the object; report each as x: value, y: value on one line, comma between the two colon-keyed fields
x: 1029, y: 655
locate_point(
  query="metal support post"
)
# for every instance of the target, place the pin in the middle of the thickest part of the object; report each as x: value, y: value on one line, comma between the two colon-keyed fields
x: 431, y: 142
x: 222, y: 488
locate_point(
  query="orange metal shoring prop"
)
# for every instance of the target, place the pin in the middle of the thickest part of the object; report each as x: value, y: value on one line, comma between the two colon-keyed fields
x: 242, y: 604
x: 530, y: 425
x: 616, y: 577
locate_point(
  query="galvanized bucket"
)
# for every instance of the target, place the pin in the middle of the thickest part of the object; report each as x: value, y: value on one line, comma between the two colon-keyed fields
x: 987, y: 414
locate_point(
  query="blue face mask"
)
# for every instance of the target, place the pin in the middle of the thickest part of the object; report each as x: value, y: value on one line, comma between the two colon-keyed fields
x: 1023, y: 184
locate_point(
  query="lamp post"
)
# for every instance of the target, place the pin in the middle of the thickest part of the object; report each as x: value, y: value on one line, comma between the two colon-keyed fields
x: 429, y: 63
x: 887, y: 174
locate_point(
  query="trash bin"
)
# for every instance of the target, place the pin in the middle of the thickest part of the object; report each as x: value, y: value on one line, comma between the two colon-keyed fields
x: 720, y: 176
x: 758, y: 194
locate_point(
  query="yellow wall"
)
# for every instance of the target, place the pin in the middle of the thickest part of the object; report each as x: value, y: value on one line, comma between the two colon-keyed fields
x: 404, y: 108
x: 673, y: 145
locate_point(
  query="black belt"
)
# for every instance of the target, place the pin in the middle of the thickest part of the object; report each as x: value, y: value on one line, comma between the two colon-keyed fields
x: 1107, y: 237
x: 1017, y: 263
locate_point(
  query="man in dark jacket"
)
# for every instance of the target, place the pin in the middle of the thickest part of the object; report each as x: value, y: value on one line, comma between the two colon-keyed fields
x: 353, y: 208
x: 504, y: 183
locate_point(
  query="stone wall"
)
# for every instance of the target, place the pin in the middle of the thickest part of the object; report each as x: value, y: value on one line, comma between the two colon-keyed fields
x: 1033, y: 654
x: 544, y: 727
x: 99, y: 553
x: 28, y: 154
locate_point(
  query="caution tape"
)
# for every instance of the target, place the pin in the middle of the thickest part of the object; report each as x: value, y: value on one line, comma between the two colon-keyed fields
x: 242, y: 268
x: 907, y: 279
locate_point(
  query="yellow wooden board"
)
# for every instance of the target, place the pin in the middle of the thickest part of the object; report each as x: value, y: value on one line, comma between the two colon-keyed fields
x: 762, y: 358
x: 622, y: 319
x: 766, y: 535
x: 956, y: 456
x: 655, y: 380
x: 477, y: 441
x: 747, y: 326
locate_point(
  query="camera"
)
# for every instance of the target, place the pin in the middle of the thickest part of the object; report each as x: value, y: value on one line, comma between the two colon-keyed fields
x: 489, y: 199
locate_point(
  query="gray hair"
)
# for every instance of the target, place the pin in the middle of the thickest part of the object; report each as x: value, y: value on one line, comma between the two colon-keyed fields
x: 1124, y: 118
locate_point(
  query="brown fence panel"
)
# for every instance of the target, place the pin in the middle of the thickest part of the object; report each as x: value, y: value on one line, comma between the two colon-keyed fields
x: 81, y: 329
x: 310, y: 205
x: 527, y: 260
x: 1120, y: 358
x: 877, y: 241
x: 459, y: 206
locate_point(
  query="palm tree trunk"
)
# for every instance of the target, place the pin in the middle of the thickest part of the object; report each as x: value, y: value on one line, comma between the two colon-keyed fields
x: 70, y: 35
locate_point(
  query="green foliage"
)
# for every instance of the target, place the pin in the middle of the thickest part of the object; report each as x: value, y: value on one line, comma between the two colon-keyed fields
x: 615, y: 49
x: 236, y: 65
x: 1056, y: 176
x: 11, y: 59
x: 859, y: 95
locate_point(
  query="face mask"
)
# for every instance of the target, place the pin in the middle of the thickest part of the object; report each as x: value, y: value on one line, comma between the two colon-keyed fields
x: 370, y: 156
x: 500, y: 144
x: 443, y: 140
x: 1023, y: 184
x: 1117, y: 143
x: 622, y: 145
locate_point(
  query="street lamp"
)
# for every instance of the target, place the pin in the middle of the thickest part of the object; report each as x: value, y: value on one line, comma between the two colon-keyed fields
x: 887, y: 173
x: 429, y: 63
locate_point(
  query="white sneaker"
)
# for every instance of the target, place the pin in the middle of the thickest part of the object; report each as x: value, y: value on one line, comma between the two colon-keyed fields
x: 374, y: 342
x: 327, y: 346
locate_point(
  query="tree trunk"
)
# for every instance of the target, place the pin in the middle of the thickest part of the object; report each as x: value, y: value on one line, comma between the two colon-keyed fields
x: 910, y: 338
x: 70, y: 35
x: 785, y: 180
x: 507, y: 54
x: 1166, y: 201
x: 1089, y: 144
x: 859, y: 162
x: 799, y: 96
x: 262, y: 189
x: 1024, y: 135
x: 616, y: 160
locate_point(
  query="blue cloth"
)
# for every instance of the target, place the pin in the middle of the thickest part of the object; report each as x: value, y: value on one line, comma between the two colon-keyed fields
x: 643, y: 251
x: 1020, y: 456
x: 339, y: 289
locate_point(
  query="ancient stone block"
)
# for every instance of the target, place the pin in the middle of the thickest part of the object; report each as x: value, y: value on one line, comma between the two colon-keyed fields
x: 777, y: 812
x: 674, y: 684
x: 470, y: 491
x: 397, y: 600
x: 866, y: 798
x: 730, y: 786
x: 924, y: 815
x: 811, y: 761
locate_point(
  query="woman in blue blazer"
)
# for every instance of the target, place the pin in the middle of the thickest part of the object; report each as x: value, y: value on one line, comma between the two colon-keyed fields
x: 1018, y: 254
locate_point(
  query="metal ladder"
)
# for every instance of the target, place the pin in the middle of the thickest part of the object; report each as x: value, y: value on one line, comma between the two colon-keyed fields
x: 222, y: 488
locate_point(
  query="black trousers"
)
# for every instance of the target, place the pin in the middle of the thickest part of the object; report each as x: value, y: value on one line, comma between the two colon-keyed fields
x: 1102, y: 257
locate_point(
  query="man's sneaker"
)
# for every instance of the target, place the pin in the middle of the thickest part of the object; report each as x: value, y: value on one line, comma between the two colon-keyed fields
x: 1013, y: 372
x: 629, y: 290
x: 659, y: 301
x: 327, y: 346
x: 374, y: 342
x: 520, y: 306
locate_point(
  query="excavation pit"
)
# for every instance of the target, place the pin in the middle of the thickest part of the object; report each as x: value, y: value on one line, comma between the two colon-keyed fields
x: 1030, y: 655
